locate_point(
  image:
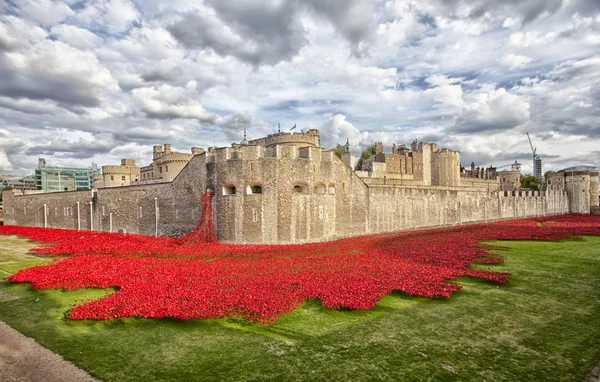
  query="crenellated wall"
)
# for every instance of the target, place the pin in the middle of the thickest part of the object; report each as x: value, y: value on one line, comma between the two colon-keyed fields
x: 282, y: 194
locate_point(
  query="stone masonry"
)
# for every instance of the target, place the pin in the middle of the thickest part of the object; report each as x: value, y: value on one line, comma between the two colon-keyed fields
x: 285, y: 189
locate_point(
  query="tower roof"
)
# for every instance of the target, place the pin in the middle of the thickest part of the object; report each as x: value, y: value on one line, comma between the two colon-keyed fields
x: 581, y: 167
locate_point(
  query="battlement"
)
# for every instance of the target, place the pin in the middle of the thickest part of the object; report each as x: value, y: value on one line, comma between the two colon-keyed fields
x: 279, y: 151
x: 310, y: 138
x: 174, y: 156
x: 117, y: 170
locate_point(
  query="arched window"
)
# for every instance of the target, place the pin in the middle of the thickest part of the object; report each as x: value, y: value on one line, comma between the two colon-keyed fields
x: 320, y: 189
x: 300, y: 188
x: 254, y: 189
x: 228, y: 189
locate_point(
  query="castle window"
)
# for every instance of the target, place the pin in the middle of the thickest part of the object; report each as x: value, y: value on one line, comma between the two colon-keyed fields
x: 166, y: 168
x: 160, y: 170
x: 331, y: 189
x: 320, y: 189
x: 112, y: 177
x: 123, y: 177
x: 254, y: 215
x: 321, y: 212
x: 301, y: 188
x: 254, y: 190
x: 228, y: 190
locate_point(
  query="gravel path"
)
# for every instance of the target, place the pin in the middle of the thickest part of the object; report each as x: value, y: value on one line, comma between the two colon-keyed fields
x: 22, y: 359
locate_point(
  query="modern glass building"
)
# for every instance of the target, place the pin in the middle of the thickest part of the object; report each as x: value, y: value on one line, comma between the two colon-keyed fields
x: 63, y: 178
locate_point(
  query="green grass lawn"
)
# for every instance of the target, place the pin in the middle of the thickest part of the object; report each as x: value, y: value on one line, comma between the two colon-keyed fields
x: 543, y: 325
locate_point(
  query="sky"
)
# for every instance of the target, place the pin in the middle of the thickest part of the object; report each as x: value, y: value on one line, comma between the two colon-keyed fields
x: 97, y: 81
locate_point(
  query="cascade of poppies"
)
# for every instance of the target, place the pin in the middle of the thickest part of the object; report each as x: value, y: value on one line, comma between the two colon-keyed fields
x: 205, y: 230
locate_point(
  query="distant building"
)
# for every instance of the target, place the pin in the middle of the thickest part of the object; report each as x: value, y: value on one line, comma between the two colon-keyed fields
x: 510, y: 180
x: 166, y: 164
x: 62, y: 178
x: 581, y: 182
x: 538, y: 166
x: 27, y: 183
x: 123, y: 175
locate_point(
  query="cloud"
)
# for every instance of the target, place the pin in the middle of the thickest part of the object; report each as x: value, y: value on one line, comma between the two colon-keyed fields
x: 76, y: 37
x: 45, y: 12
x: 515, y: 61
x: 337, y: 129
x: 168, y: 102
x: 114, y: 16
x: 8, y: 144
x: 585, y: 29
x: 473, y: 75
x: 264, y: 31
x: 53, y: 70
x: 81, y: 148
x: 255, y: 32
x: 351, y: 18
x: 495, y: 110
x: 233, y: 125
x: 530, y: 39
x: 528, y: 11
x: 16, y: 33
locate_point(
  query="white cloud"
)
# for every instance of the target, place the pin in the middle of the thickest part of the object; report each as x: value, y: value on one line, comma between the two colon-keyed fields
x: 77, y: 37
x: 494, y: 110
x: 387, y: 71
x: 530, y: 39
x: 116, y: 16
x: 445, y: 90
x: 16, y: 33
x: 45, y: 12
x: 5, y: 165
x: 515, y: 61
x: 170, y: 102
x: 40, y: 70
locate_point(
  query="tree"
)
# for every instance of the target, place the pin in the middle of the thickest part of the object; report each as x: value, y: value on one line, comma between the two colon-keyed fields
x: 548, y: 174
x: 367, y: 153
x: 339, y: 150
x: 531, y: 182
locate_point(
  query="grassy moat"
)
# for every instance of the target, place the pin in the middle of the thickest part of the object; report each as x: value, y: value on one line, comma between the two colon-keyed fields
x: 543, y: 325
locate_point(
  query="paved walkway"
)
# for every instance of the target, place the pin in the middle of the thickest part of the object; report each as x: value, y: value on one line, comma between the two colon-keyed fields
x: 24, y: 360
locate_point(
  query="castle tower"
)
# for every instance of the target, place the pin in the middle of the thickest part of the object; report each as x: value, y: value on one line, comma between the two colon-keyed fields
x: 516, y: 167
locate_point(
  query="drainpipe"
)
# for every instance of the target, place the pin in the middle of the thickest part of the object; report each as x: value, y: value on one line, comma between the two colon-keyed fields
x: 78, y: 218
x: 460, y: 213
x: 45, y: 216
x: 156, y: 217
x: 91, y: 217
x: 515, y: 205
x: 110, y: 221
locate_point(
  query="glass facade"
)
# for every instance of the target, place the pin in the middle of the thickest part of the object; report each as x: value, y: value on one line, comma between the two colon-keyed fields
x: 63, y: 179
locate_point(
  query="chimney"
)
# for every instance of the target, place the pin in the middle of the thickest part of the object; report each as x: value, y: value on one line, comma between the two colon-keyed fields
x: 197, y: 150
x: 394, y: 149
x: 472, y: 168
x: 379, y: 148
x: 167, y: 148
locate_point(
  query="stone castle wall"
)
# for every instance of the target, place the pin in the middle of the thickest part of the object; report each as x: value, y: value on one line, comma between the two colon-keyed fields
x: 306, y: 195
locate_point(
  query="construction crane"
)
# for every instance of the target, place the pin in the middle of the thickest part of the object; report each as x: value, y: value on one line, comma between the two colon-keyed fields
x: 537, y: 167
x: 533, y: 149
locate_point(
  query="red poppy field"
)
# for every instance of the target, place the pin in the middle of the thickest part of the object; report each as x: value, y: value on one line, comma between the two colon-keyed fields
x: 186, y: 279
